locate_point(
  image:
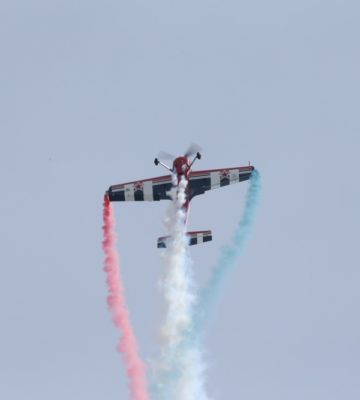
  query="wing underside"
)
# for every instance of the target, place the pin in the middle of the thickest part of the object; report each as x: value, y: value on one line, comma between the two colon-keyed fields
x: 201, y: 181
x: 153, y: 189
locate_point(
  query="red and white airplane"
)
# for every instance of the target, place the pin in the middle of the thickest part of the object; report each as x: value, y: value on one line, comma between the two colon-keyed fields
x: 199, y: 182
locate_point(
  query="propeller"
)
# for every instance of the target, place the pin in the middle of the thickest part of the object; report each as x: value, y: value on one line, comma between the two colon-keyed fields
x: 193, y: 149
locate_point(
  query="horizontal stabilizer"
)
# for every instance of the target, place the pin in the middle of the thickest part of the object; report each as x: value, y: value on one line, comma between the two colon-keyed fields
x: 195, y: 237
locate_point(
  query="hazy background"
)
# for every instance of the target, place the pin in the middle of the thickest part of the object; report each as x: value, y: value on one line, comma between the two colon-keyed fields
x: 90, y: 91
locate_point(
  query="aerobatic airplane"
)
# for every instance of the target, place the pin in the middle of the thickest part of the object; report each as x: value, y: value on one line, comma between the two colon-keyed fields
x: 199, y: 182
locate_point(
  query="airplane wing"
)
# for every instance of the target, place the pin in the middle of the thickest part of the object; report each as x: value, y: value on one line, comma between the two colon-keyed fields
x: 201, y: 181
x: 152, y: 189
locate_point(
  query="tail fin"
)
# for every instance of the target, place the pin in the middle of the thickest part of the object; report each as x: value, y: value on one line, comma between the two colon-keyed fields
x: 195, y: 237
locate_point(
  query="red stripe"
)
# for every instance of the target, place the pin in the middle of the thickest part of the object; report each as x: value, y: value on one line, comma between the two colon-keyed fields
x: 196, y: 232
x: 167, y: 178
x: 188, y: 233
x: 158, y: 179
x: 206, y: 172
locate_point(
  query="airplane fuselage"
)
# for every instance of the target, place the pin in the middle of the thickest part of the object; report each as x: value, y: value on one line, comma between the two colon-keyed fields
x: 182, y: 168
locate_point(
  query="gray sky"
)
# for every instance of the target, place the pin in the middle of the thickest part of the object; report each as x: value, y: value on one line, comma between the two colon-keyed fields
x: 90, y: 92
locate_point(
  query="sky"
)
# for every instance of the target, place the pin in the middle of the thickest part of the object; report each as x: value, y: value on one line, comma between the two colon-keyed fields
x: 90, y: 93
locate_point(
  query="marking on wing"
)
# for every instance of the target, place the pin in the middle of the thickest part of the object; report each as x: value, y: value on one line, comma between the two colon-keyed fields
x: 215, y: 179
x: 234, y: 175
x: 148, y: 191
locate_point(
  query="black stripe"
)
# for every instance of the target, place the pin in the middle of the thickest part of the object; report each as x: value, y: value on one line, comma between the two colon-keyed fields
x: 139, y: 195
x: 193, y: 241
x: 116, y: 196
x: 159, y: 191
x: 207, y: 238
x: 244, y: 177
x: 199, y: 186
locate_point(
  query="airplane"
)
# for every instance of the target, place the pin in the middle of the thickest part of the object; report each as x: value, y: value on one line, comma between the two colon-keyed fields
x: 198, y: 182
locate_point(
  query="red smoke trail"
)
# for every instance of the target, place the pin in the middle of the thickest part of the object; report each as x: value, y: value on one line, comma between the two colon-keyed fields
x: 116, y: 301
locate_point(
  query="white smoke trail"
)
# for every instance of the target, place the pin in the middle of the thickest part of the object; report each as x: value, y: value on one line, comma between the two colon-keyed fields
x: 180, y: 371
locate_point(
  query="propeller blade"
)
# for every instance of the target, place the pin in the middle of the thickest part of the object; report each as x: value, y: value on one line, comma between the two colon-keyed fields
x: 163, y: 155
x: 194, y: 148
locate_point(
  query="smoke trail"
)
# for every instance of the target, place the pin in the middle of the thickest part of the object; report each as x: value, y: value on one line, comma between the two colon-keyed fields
x: 180, y: 370
x: 116, y: 301
x: 226, y: 261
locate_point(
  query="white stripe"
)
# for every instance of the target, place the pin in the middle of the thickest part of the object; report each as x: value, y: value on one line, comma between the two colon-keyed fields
x: 148, y: 191
x: 129, y: 192
x: 234, y: 175
x: 215, y: 179
x: 200, y: 238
